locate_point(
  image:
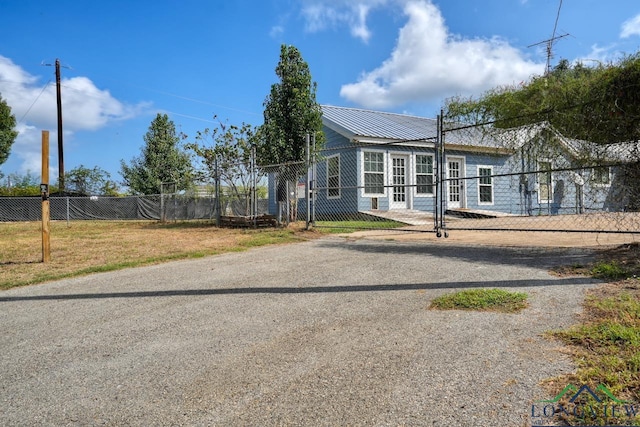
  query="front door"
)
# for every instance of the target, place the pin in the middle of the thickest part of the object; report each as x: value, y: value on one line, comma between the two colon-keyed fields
x: 455, y: 187
x: 399, y: 193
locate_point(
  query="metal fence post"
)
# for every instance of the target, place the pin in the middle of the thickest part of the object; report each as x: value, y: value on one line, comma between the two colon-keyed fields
x: 254, y: 187
x: 313, y: 182
x: 442, y: 164
x: 436, y: 207
x: 162, y: 211
x: 307, y: 187
x: 218, y: 205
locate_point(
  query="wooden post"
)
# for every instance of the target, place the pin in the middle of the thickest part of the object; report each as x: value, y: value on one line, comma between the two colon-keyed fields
x: 44, y: 190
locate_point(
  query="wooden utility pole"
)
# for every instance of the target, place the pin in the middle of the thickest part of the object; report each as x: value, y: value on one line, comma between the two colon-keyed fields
x: 44, y: 190
x: 61, y: 187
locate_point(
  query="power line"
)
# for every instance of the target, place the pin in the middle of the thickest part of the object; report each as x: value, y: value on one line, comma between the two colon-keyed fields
x: 34, y: 101
x: 187, y: 98
x: 91, y: 95
x: 172, y: 95
x: 188, y: 117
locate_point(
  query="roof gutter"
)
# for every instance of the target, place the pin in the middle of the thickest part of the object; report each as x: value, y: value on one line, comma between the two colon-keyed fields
x: 423, y: 143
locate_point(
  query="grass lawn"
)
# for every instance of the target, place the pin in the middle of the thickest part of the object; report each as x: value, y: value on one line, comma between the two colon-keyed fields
x: 605, y: 345
x: 482, y: 300
x: 84, y: 247
x: 351, y: 226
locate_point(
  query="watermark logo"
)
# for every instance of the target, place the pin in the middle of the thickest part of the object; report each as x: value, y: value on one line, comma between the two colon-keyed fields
x: 591, y: 407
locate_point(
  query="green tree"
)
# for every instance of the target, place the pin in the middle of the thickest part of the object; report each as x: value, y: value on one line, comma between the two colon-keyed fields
x: 599, y: 104
x: 22, y: 185
x: 88, y: 182
x: 226, y: 153
x: 162, y: 160
x: 8, y: 133
x: 291, y: 112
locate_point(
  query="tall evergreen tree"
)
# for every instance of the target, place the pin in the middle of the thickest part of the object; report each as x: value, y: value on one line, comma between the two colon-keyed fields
x: 162, y: 161
x: 291, y: 111
x: 8, y: 133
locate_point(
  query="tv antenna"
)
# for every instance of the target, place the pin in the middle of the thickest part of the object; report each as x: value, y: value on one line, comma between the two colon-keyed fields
x: 549, y: 42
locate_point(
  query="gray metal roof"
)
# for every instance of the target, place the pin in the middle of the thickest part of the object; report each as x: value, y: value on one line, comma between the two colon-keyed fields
x: 366, y: 125
x: 357, y: 123
x: 360, y: 125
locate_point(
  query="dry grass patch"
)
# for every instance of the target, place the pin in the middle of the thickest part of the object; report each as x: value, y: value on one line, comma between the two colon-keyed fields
x: 615, y: 263
x: 605, y: 344
x: 90, y: 246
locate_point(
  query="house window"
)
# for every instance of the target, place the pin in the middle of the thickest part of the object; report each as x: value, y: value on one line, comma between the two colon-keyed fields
x: 424, y: 174
x: 601, y: 176
x: 333, y: 177
x: 373, y: 172
x: 545, y: 183
x: 485, y: 185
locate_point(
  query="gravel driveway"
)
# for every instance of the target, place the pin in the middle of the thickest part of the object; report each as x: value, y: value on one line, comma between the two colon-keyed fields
x: 327, y: 332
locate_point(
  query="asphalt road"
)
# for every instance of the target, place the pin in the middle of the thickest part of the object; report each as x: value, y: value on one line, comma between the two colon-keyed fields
x: 326, y: 332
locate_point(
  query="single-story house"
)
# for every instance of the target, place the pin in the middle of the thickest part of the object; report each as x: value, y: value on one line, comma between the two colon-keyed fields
x: 379, y: 161
x: 560, y: 175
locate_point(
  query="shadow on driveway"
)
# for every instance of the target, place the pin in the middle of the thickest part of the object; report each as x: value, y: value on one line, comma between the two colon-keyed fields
x: 308, y: 290
x: 496, y: 255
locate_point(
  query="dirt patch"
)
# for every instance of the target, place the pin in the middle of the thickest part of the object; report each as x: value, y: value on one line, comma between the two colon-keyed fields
x: 505, y: 238
x: 611, y: 290
x: 625, y: 257
x: 603, y: 229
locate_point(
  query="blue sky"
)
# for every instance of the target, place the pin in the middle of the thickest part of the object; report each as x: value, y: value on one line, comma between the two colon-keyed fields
x: 125, y: 60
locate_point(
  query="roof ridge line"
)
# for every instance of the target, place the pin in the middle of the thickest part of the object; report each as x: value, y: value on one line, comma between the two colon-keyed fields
x: 377, y: 111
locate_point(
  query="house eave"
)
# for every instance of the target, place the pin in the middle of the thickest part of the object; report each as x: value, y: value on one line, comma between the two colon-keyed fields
x: 338, y: 129
x: 478, y: 149
x: 431, y: 145
x: 390, y: 142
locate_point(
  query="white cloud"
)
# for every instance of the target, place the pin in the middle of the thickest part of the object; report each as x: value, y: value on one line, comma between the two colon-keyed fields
x: 28, y: 149
x: 600, y: 55
x: 33, y: 102
x: 631, y: 27
x: 428, y: 63
x: 276, y: 31
x: 322, y: 14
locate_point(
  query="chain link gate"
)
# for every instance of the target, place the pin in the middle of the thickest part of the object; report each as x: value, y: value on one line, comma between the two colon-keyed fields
x: 527, y: 179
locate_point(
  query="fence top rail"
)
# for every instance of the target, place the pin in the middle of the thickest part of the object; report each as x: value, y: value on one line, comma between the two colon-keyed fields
x: 276, y: 165
x: 541, y: 171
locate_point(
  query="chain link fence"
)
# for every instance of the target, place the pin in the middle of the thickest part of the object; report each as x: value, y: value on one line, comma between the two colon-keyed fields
x: 528, y: 179
x: 461, y: 178
x: 598, y: 199
x: 287, y: 191
x: 165, y: 207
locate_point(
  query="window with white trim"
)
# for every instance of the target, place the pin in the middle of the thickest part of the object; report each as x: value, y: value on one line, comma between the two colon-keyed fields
x: 545, y: 182
x: 601, y: 176
x: 374, y: 172
x: 333, y: 177
x: 424, y: 175
x: 485, y: 185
